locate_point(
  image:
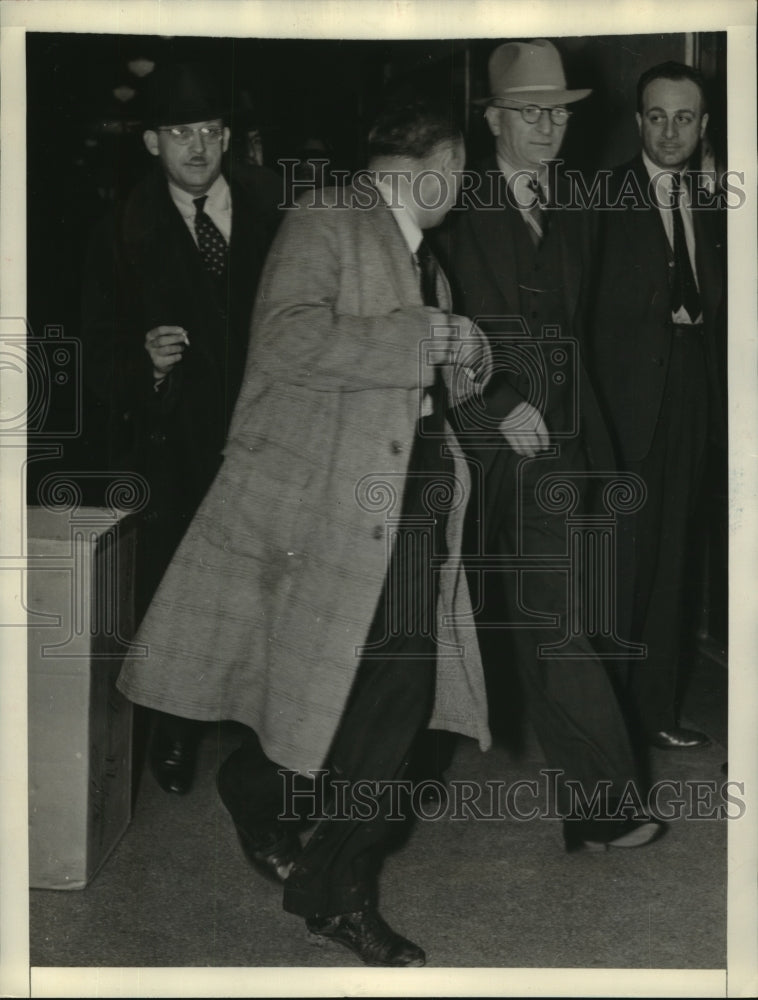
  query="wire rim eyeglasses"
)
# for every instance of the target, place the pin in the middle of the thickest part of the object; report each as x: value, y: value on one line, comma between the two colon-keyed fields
x: 531, y: 113
x: 184, y: 134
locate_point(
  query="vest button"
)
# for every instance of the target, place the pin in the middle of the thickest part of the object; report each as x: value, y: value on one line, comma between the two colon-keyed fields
x: 396, y: 447
x: 378, y: 532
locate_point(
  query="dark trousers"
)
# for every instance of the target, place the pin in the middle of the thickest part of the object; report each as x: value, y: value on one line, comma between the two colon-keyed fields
x: 660, y: 548
x: 571, y: 702
x: 389, y: 705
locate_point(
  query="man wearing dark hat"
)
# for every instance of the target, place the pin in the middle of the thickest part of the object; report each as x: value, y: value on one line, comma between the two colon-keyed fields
x: 658, y: 323
x: 169, y: 288
x: 516, y: 262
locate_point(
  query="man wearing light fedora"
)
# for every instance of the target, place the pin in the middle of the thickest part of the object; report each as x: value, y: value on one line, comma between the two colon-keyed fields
x: 169, y: 287
x: 517, y: 264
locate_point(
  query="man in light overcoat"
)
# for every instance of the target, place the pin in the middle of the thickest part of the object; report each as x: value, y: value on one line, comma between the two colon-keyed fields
x: 318, y: 596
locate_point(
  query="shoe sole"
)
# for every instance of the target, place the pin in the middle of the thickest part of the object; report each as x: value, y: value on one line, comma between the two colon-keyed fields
x: 683, y: 746
x: 639, y: 837
x: 323, y: 940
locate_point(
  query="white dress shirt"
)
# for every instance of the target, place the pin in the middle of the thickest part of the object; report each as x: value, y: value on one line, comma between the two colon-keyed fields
x: 218, y: 206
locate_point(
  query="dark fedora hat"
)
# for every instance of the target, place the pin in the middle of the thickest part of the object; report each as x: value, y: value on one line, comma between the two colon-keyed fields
x: 179, y: 93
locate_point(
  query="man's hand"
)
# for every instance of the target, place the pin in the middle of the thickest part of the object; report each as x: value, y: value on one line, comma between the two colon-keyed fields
x: 525, y: 430
x: 165, y: 345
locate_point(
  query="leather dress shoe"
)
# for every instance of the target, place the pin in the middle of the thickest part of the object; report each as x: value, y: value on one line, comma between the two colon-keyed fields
x: 678, y: 739
x: 273, y: 856
x: 604, y: 835
x: 366, y: 934
x: 172, y: 759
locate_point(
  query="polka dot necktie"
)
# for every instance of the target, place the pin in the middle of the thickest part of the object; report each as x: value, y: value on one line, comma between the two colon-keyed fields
x: 210, y: 242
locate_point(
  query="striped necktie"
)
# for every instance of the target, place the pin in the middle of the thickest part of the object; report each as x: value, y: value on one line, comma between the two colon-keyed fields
x: 536, y: 216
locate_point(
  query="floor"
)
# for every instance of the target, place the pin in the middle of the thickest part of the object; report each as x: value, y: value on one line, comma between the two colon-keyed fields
x: 494, y: 893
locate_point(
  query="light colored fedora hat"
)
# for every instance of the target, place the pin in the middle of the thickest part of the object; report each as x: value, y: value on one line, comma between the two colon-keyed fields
x: 529, y: 73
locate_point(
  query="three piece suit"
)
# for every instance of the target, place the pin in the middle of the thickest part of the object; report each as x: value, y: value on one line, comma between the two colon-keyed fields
x: 502, y: 279
x: 659, y: 383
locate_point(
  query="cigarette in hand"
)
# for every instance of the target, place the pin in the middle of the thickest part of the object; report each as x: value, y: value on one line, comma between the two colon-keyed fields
x: 185, y: 337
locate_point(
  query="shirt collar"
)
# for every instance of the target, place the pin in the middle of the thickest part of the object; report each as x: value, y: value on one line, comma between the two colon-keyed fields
x: 408, y: 226
x: 217, y: 195
x: 665, y: 173
x: 517, y: 180
x: 663, y: 181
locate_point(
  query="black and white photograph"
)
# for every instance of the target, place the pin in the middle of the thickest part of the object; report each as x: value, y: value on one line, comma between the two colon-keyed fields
x: 378, y: 432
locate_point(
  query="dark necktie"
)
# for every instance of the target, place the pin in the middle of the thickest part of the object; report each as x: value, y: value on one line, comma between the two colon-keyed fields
x: 684, y: 288
x: 536, y: 211
x: 428, y: 266
x: 210, y: 242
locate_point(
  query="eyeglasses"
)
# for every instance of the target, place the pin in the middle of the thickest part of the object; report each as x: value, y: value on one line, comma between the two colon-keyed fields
x: 183, y: 134
x: 531, y: 113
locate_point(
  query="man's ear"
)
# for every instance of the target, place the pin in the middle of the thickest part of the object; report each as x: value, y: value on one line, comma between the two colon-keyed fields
x: 225, y: 141
x: 492, y: 115
x: 638, y: 116
x: 703, y: 124
x: 150, y: 139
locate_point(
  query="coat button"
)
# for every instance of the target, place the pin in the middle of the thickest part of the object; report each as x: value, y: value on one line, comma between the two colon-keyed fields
x: 658, y: 362
x: 157, y: 437
x: 396, y: 447
x: 378, y: 532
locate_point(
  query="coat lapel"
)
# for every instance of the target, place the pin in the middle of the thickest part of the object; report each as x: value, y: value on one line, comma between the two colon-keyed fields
x: 397, y: 259
x: 494, y: 230
x: 707, y: 263
x: 643, y: 225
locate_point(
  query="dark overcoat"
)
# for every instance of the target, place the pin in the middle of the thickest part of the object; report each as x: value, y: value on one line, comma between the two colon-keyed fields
x: 144, y: 270
x: 262, y: 613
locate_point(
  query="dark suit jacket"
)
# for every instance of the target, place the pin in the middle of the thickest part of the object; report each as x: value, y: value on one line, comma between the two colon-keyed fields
x: 144, y: 270
x: 632, y: 329
x: 478, y: 248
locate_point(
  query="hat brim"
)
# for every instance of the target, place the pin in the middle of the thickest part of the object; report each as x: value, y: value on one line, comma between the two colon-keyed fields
x: 545, y: 98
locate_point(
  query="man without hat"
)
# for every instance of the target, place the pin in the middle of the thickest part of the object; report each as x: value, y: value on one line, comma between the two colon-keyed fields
x: 658, y: 319
x: 169, y: 287
x: 518, y: 262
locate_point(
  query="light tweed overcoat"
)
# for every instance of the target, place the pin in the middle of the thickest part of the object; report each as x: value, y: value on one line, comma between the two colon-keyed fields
x: 261, y: 614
